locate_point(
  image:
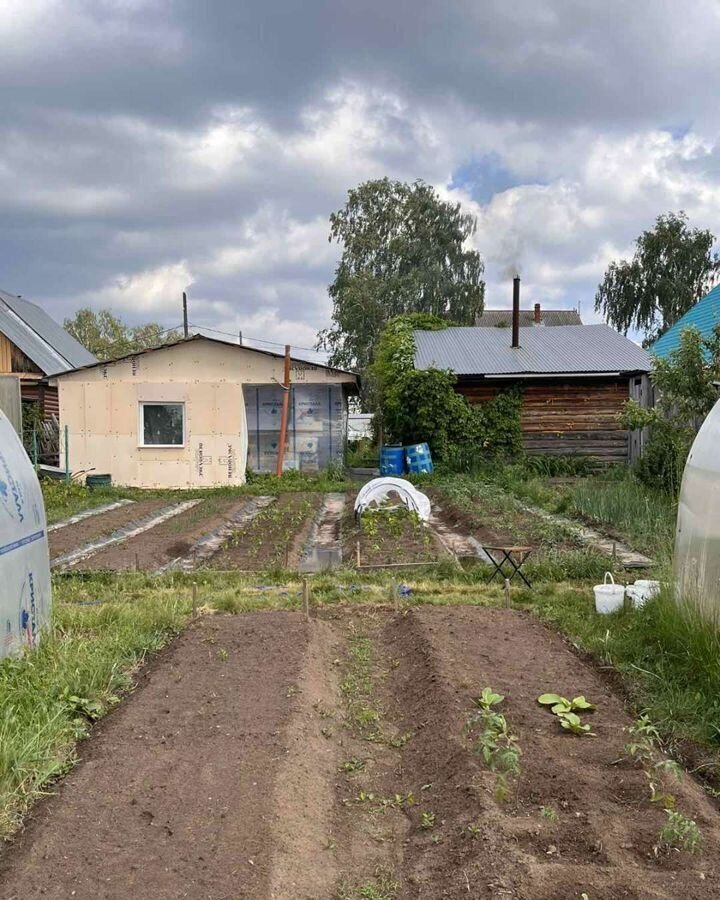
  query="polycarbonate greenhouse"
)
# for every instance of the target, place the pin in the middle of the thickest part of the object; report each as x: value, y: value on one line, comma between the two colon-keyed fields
x: 697, y: 543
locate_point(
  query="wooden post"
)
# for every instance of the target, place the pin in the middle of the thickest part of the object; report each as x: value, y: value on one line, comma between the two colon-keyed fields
x: 194, y: 598
x: 287, y: 554
x: 284, y: 416
x: 357, y: 553
x: 614, y: 554
x: 306, y: 598
x: 508, y: 601
x: 396, y: 598
x: 67, y: 455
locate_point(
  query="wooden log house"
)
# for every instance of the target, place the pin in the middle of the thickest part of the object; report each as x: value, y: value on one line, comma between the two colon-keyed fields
x: 574, y: 381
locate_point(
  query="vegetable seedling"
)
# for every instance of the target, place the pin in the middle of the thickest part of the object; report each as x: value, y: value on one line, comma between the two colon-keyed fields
x: 489, y: 698
x: 573, y: 723
x: 560, y: 705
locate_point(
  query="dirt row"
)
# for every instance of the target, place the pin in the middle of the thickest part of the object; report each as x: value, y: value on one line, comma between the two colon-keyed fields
x: 267, y: 757
x: 280, y: 535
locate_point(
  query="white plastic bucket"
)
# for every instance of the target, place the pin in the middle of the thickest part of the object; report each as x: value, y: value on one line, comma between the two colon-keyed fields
x: 609, y: 597
x: 643, y: 590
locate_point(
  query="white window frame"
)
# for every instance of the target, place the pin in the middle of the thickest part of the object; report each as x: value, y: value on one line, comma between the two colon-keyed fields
x: 141, y: 425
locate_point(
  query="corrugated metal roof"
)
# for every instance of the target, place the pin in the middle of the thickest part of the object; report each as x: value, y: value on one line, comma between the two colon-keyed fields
x: 704, y: 316
x: 565, y: 349
x: 212, y: 340
x: 497, y: 318
x: 39, y: 337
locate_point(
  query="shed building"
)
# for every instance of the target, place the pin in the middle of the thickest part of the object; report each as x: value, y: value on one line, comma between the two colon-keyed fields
x: 574, y: 381
x: 197, y: 412
x: 32, y: 346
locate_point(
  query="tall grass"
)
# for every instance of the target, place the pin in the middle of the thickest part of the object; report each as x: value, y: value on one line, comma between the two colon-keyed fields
x: 647, y: 517
x: 49, y: 697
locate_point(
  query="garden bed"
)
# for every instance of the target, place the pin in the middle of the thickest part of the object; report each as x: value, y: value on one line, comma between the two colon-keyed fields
x: 274, y: 538
x: 388, y: 537
x: 263, y: 756
x: 168, y: 541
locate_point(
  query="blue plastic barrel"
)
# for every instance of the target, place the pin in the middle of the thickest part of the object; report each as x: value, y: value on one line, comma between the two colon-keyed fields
x: 418, y: 458
x: 392, y: 461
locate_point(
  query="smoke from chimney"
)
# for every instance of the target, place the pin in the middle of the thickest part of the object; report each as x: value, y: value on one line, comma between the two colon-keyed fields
x: 516, y: 313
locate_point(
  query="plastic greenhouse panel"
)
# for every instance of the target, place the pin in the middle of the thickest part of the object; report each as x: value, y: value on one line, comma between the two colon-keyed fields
x: 697, y: 541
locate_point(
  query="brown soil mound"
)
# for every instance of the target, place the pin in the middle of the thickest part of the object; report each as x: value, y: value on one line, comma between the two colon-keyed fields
x: 63, y: 540
x: 167, y: 541
x: 270, y: 758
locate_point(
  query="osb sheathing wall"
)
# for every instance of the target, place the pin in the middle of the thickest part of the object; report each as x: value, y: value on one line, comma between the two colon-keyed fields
x: 100, y: 407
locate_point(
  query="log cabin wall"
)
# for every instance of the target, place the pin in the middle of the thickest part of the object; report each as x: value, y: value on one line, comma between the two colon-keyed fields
x: 571, y: 417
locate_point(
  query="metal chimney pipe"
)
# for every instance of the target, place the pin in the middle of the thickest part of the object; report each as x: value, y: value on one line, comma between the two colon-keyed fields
x: 516, y: 313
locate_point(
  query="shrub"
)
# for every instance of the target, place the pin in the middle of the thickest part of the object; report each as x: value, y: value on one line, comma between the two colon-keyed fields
x: 422, y: 405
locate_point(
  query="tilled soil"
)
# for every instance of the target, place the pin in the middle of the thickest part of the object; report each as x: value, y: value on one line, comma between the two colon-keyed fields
x: 388, y: 537
x: 170, y: 540
x: 70, y: 537
x: 271, y: 758
x: 174, y: 796
x: 275, y: 537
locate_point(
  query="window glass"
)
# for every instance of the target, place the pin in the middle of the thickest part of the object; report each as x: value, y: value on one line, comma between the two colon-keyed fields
x: 163, y: 424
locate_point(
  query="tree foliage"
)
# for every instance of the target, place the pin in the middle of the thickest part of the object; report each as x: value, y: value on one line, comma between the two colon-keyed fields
x: 108, y: 337
x: 684, y: 383
x: 422, y: 405
x: 672, y: 268
x: 403, y: 251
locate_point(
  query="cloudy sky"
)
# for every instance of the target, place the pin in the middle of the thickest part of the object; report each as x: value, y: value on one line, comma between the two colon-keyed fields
x: 152, y: 146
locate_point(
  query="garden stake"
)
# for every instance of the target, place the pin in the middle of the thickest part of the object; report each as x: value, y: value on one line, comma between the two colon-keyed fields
x: 357, y: 553
x: 194, y: 598
x: 137, y: 565
x: 508, y: 602
x: 306, y: 598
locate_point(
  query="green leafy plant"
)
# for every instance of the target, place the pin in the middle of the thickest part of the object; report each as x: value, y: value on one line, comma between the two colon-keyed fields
x: 561, y: 705
x: 680, y: 833
x: 565, y: 710
x: 573, y: 723
x: 499, y: 748
x: 427, y: 820
x: 488, y: 699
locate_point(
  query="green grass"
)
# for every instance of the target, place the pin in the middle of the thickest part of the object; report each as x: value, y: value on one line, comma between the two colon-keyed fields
x: 615, y: 502
x: 49, y: 697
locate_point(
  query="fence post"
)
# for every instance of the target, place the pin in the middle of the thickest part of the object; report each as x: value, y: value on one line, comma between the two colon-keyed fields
x: 35, y: 447
x: 67, y: 457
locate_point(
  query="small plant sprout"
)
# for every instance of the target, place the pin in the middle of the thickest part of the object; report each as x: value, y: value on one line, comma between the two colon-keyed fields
x: 549, y: 813
x: 559, y: 705
x: 573, y: 723
x: 680, y: 833
x: 427, y: 821
x: 474, y: 831
x: 496, y: 744
x: 565, y: 710
x: 488, y: 699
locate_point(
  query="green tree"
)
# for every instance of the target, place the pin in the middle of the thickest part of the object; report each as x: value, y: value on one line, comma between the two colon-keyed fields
x: 684, y: 384
x: 672, y: 268
x: 404, y: 251
x: 108, y: 337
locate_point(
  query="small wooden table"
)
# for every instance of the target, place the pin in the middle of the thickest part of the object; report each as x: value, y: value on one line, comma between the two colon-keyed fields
x: 515, y: 556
